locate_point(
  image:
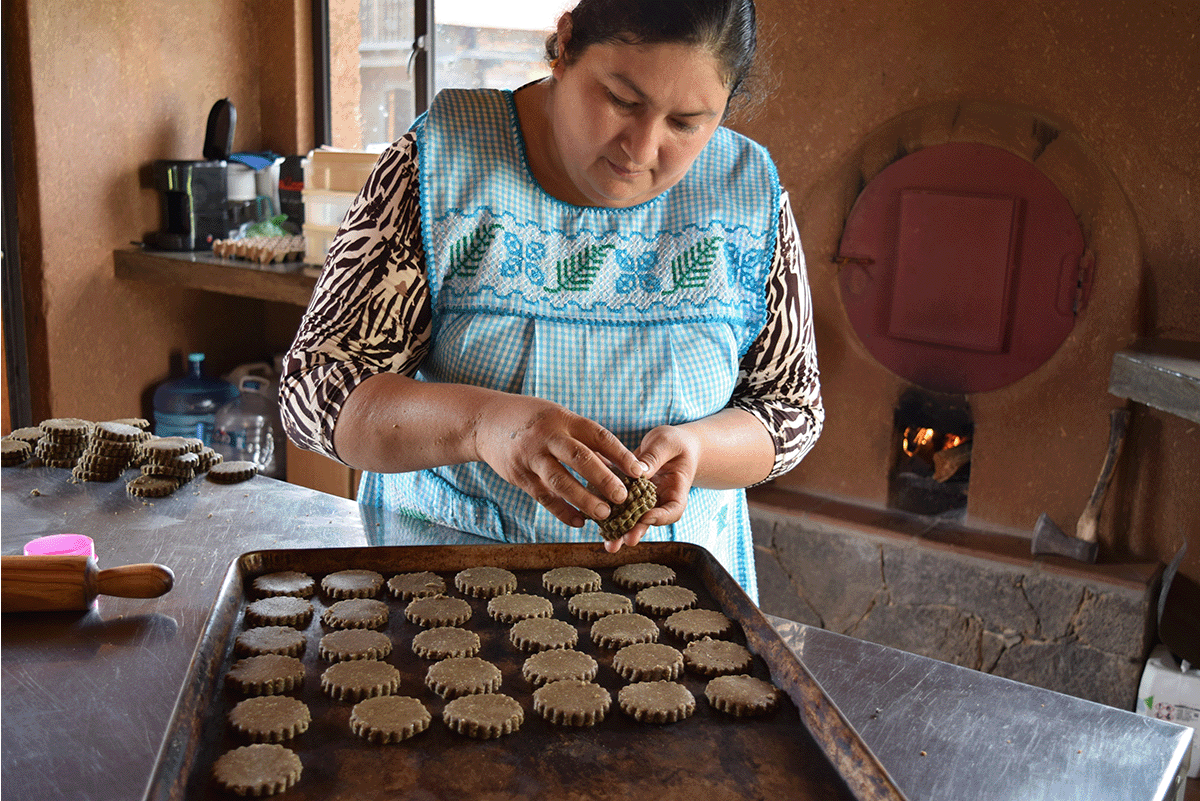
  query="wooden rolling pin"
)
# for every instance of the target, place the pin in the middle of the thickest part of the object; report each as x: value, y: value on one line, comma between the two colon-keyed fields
x: 60, y: 583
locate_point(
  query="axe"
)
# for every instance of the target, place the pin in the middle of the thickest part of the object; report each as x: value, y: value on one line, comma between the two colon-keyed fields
x: 1048, y: 538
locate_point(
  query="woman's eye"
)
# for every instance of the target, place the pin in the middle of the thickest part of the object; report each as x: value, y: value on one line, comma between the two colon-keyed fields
x: 684, y: 127
x: 619, y: 102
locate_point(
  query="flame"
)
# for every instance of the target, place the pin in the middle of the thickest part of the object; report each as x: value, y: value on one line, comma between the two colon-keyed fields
x: 926, y: 441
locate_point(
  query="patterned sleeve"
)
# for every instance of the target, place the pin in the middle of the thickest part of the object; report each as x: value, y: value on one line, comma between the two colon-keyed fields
x: 370, y: 310
x: 778, y: 382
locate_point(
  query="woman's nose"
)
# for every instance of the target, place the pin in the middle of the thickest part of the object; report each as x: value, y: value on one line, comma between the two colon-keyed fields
x: 640, y: 141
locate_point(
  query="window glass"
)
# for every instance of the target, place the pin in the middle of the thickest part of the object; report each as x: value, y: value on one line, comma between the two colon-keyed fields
x: 476, y: 43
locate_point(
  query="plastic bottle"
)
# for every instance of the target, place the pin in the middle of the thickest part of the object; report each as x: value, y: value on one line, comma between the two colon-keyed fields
x: 187, y: 407
x: 245, y: 428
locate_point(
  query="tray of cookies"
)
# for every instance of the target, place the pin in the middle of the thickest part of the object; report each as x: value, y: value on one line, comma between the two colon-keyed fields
x: 501, y: 672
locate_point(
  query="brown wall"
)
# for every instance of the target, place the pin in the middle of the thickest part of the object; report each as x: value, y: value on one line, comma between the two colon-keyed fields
x: 1122, y: 82
x: 100, y: 91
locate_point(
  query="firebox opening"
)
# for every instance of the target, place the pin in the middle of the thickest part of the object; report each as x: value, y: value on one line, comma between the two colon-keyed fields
x: 931, y: 470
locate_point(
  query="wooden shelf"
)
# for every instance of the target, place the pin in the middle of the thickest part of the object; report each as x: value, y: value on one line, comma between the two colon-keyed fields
x: 289, y: 282
x: 1164, y: 374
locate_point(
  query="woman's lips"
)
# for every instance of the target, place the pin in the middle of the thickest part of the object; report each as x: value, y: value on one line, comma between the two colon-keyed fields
x: 624, y: 172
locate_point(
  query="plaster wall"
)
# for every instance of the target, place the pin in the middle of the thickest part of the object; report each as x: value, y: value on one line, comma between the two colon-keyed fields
x: 1120, y: 81
x: 101, y: 90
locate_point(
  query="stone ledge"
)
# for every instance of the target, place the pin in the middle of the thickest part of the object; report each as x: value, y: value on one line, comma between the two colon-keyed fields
x: 974, y: 599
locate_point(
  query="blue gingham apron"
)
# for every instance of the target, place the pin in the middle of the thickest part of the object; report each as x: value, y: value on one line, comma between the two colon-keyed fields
x: 631, y: 317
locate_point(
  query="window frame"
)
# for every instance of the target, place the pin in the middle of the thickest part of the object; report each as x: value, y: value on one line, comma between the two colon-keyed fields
x: 423, y: 57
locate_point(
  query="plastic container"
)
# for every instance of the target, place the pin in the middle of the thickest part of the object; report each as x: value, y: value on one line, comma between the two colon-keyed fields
x: 61, y: 545
x: 1171, y: 691
x: 317, y: 239
x: 338, y: 170
x: 187, y: 407
x: 322, y: 207
x: 246, y: 428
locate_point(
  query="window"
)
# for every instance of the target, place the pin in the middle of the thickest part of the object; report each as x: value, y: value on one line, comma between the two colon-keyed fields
x: 379, y: 78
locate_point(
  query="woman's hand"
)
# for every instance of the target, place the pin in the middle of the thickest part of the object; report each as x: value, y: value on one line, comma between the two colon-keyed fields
x: 531, y: 442
x: 672, y: 454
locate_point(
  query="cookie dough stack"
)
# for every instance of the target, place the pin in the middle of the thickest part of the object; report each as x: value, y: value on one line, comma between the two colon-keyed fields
x: 110, y: 450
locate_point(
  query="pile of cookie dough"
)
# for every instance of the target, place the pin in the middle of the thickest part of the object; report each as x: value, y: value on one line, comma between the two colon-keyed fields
x: 104, y: 451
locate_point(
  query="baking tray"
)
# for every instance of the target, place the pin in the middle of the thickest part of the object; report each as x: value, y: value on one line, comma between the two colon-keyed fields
x: 804, y: 750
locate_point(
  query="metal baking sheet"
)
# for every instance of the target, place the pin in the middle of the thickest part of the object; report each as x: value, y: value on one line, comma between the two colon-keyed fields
x: 804, y: 750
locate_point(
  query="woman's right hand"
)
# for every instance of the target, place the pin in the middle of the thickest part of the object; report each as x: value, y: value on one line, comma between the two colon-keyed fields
x: 531, y: 442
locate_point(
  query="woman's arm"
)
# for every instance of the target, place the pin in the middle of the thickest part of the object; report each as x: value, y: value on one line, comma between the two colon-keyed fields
x: 348, y: 390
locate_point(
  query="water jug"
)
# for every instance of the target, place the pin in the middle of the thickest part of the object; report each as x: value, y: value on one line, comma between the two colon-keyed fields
x: 245, y: 428
x: 187, y: 407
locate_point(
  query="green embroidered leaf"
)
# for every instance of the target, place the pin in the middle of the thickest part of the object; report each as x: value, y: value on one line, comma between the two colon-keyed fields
x: 467, y: 253
x: 691, y: 269
x: 577, y: 272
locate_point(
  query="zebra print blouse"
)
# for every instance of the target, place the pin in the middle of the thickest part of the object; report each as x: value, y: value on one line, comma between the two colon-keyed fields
x: 370, y: 313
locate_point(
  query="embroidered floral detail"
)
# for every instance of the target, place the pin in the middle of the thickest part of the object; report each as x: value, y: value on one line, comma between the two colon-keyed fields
x: 637, y: 270
x: 742, y: 261
x: 577, y: 273
x: 523, y: 257
x: 691, y: 268
x: 467, y: 253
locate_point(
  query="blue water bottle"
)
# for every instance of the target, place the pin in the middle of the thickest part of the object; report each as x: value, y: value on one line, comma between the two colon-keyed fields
x: 187, y: 407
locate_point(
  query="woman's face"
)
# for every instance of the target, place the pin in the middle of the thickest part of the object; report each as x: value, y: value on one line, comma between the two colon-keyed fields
x: 627, y: 121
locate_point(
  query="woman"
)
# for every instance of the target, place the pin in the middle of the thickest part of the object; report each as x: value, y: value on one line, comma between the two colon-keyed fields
x: 538, y: 290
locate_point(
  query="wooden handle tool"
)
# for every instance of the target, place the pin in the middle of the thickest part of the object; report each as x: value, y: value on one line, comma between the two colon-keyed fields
x: 61, y: 583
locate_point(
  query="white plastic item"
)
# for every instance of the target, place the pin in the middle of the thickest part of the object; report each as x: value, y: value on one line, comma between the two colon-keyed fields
x: 317, y: 239
x: 1171, y: 691
x: 322, y: 207
x: 336, y: 170
x: 240, y: 182
x: 245, y: 428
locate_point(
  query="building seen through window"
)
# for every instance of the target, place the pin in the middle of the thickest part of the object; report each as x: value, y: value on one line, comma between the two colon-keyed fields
x: 495, y: 44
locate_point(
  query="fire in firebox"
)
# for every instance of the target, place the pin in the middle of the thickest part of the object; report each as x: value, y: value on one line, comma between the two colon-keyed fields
x: 933, y: 459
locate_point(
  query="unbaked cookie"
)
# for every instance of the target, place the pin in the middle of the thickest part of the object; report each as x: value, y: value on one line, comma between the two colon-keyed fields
x: 468, y: 675
x: 656, y: 701
x: 280, y: 610
x: 421, y: 584
x: 572, y: 703
x: 643, y: 574
x: 664, y: 600
x: 693, y: 624
x: 519, y: 606
x: 269, y: 640
x: 485, y: 582
x: 285, y: 582
x: 710, y: 657
x: 360, y: 678
x: 484, y: 716
x: 356, y: 613
x: 559, y: 664
x: 352, y: 584
x: 542, y: 634
x: 741, y: 696
x: 617, y: 631
x: 267, y: 674
x: 346, y: 645
x: 260, y: 769
x: 571, y: 580
x: 648, y: 661
x: 270, y: 718
x: 444, y: 642
x: 595, y: 605
x: 389, y: 718
x: 439, y: 610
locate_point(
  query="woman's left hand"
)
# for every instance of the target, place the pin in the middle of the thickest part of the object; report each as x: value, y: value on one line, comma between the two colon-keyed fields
x: 672, y: 454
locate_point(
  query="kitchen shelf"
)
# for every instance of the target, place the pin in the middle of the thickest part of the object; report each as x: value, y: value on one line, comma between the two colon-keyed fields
x: 1164, y: 374
x: 286, y: 282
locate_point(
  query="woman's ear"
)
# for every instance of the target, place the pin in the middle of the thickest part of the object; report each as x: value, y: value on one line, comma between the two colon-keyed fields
x: 562, y: 37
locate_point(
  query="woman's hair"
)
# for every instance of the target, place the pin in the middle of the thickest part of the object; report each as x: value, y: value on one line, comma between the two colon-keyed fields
x: 726, y: 28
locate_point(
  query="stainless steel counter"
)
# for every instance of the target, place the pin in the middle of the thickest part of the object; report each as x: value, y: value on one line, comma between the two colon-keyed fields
x: 87, y: 696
